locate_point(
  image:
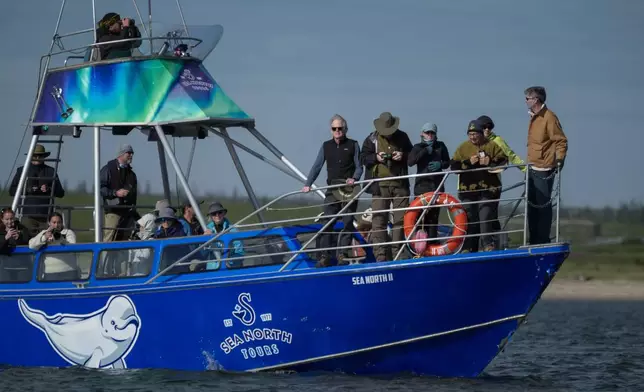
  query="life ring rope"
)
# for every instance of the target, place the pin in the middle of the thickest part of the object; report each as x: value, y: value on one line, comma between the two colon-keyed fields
x: 457, y: 216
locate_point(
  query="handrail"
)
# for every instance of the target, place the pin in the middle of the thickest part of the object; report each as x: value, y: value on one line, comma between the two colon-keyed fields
x: 285, y: 195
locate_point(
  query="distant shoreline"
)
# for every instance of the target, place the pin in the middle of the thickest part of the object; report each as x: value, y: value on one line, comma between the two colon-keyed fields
x: 595, y: 290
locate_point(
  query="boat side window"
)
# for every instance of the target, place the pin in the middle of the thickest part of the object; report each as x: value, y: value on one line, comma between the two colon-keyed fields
x: 257, y: 251
x: 125, y: 263
x: 64, y: 266
x: 302, y: 238
x: 16, y: 268
x: 172, y: 253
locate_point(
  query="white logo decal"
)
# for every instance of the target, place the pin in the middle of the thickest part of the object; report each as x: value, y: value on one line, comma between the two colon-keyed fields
x: 188, y: 80
x: 266, y: 339
x: 99, y: 340
x: 244, y: 312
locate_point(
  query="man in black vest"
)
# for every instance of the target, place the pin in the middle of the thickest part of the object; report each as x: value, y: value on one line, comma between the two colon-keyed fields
x: 119, y: 189
x: 41, y: 178
x: 342, y: 157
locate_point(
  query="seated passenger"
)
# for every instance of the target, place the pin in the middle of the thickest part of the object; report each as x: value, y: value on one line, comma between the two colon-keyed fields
x: 140, y: 260
x: 55, y: 234
x: 169, y: 226
x: 12, y: 232
x: 480, y: 187
x: 188, y: 220
x: 112, y: 28
x: 58, y: 265
x: 218, y: 223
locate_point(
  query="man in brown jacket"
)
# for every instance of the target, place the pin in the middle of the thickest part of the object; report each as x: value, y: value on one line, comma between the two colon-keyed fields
x: 547, y: 148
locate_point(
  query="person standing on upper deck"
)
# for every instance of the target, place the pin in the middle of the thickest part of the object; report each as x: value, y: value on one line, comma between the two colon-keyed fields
x: 342, y: 157
x: 547, y: 149
x: 429, y: 156
x: 41, y: 178
x: 384, y: 154
x: 119, y: 190
x: 112, y: 28
x: 488, y: 126
x: 481, y: 188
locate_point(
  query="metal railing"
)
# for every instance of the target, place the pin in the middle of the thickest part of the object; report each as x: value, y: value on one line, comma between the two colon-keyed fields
x: 366, y: 185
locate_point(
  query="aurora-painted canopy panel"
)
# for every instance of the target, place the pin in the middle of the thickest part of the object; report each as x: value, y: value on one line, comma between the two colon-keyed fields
x: 137, y: 92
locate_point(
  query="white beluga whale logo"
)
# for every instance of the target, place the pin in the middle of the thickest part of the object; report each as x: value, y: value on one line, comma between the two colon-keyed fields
x: 244, y: 312
x: 100, y: 340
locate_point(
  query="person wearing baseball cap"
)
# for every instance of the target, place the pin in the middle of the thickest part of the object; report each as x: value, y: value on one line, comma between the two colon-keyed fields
x: 119, y: 190
x: 488, y: 126
x: 429, y: 156
x: 479, y: 187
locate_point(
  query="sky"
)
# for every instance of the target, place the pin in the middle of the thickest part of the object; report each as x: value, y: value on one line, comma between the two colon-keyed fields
x: 292, y: 64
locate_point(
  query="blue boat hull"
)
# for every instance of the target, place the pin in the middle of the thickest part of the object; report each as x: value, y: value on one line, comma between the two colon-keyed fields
x: 442, y: 317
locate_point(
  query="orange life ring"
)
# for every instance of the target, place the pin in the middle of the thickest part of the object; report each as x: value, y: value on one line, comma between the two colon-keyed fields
x: 459, y: 217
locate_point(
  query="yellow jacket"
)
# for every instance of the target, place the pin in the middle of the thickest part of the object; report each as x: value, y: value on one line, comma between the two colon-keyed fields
x: 513, y: 158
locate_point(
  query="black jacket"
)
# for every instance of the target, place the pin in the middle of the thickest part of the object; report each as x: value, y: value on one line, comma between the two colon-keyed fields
x: 114, y: 178
x: 37, y: 176
x: 8, y: 245
x: 118, y: 49
x: 398, y: 168
x: 421, y: 157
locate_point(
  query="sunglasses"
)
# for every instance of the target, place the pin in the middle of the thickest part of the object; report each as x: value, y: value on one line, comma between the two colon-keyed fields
x: 337, y: 128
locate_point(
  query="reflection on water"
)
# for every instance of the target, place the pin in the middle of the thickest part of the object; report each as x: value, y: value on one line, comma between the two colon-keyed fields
x: 564, y: 346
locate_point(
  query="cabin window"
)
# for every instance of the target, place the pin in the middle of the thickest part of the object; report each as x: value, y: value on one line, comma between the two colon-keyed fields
x: 257, y: 251
x: 16, y: 268
x: 64, y: 266
x: 125, y: 263
x: 172, y: 253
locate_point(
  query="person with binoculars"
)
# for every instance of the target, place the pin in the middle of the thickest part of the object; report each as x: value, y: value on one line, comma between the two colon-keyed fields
x: 112, y: 28
x: 384, y: 154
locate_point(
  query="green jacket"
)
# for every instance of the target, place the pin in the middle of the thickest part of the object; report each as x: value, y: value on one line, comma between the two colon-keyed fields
x: 513, y: 158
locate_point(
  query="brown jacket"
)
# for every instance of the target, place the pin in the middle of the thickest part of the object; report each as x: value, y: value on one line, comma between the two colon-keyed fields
x: 547, y: 142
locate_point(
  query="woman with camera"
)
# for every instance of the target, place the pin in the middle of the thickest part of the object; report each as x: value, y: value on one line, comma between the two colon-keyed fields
x: 57, y: 266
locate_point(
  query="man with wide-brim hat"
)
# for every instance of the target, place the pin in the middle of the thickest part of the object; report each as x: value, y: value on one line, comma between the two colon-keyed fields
x: 42, y: 180
x: 384, y: 154
x: 218, y: 223
x: 342, y: 157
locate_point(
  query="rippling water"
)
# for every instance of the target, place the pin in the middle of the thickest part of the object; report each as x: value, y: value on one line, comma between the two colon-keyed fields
x: 564, y: 346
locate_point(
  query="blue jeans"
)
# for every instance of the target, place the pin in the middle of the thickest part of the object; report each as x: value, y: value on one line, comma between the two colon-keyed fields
x: 540, y: 208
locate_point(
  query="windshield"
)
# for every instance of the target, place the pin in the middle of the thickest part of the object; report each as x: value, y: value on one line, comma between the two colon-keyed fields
x: 196, y: 41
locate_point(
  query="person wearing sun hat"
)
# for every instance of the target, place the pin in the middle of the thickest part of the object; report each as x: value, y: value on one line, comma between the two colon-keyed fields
x: 218, y: 223
x: 481, y: 187
x: 429, y: 156
x: 41, y: 178
x: 384, y: 154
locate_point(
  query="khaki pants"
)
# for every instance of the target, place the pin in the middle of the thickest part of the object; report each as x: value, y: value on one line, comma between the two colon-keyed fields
x: 399, y: 197
x: 117, y: 227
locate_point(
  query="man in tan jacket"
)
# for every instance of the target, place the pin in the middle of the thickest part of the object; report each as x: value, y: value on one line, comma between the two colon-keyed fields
x: 547, y: 148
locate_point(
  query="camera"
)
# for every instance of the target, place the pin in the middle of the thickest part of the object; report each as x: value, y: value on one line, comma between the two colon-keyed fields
x: 56, y: 234
x: 387, y: 157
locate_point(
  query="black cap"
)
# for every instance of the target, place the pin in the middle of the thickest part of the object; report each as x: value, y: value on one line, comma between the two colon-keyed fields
x: 474, y: 126
x: 486, y: 122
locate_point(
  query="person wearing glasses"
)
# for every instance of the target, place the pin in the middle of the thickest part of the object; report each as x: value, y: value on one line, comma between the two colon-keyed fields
x: 218, y: 223
x: 547, y: 149
x: 342, y: 157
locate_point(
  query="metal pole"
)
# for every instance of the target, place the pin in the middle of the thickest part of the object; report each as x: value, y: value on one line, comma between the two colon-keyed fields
x: 185, y: 27
x: 242, y: 174
x: 94, y: 20
x: 525, y: 212
x: 191, y: 157
x: 558, y: 203
x: 254, y: 153
x: 98, y: 202
x: 283, y: 158
x: 23, y: 175
x: 138, y: 13
x: 182, y: 178
x: 150, y: 25
x: 164, y: 172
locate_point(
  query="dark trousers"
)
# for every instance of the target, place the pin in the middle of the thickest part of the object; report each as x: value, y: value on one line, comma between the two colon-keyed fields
x: 328, y: 239
x: 388, y: 195
x: 430, y: 220
x: 539, y: 205
x: 482, y: 218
